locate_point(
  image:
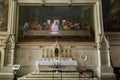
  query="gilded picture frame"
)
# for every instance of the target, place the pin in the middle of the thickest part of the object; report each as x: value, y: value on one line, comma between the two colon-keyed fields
x: 57, y: 26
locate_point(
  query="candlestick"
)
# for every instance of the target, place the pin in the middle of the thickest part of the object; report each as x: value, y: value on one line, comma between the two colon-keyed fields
x: 51, y: 55
x: 43, y: 56
x: 47, y: 55
x: 43, y: 53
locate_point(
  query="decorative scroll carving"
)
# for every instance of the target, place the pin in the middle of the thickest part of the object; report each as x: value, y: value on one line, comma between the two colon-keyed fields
x: 104, y: 59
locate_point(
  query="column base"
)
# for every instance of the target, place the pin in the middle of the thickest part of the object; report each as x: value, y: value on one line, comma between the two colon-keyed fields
x: 107, y: 73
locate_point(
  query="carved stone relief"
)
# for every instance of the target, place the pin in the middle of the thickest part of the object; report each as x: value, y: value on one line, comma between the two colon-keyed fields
x: 8, y: 54
x: 104, y: 59
x: 104, y: 53
x: 9, y: 51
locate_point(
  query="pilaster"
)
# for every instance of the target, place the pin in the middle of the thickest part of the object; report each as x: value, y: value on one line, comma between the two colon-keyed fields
x: 9, y: 51
x: 106, y: 68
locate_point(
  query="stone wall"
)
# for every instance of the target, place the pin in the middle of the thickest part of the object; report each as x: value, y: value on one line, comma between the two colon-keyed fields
x: 115, y: 55
x: 26, y: 56
x: 114, y: 40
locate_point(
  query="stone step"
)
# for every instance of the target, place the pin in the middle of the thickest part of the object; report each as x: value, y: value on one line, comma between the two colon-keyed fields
x: 54, y: 76
x: 50, y: 76
x: 49, y: 73
x: 58, y: 79
x: 6, y: 70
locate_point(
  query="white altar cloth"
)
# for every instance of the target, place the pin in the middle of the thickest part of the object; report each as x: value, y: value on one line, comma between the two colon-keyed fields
x: 49, y: 63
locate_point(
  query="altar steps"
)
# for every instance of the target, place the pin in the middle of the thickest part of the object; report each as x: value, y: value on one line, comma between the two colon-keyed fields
x: 54, y: 76
x: 59, y: 79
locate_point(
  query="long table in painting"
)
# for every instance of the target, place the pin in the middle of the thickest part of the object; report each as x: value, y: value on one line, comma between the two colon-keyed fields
x: 58, y: 33
x: 51, y: 65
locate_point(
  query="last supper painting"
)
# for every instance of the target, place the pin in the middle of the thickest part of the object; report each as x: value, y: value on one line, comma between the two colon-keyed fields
x: 51, y: 23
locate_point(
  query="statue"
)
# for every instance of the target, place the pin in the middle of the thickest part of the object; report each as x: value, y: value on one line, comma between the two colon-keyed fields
x: 57, y: 51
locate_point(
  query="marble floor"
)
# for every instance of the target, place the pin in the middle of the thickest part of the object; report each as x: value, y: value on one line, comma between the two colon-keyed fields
x: 55, y: 76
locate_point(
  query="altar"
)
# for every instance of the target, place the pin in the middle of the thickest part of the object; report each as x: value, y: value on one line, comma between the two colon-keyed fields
x: 56, y: 64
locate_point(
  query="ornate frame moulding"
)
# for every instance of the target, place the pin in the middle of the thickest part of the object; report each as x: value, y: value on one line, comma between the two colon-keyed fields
x: 55, y: 2
x: 76, y: 33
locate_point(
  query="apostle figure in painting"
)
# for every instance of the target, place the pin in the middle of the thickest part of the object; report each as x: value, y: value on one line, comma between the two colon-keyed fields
x: 26, y: 27
x: 55, y: 26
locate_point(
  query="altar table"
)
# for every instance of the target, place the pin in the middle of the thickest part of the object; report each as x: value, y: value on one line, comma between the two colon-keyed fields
x: 45, y: 65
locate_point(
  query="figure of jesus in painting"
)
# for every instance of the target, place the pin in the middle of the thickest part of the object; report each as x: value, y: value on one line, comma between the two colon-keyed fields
x: 55, y: 26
